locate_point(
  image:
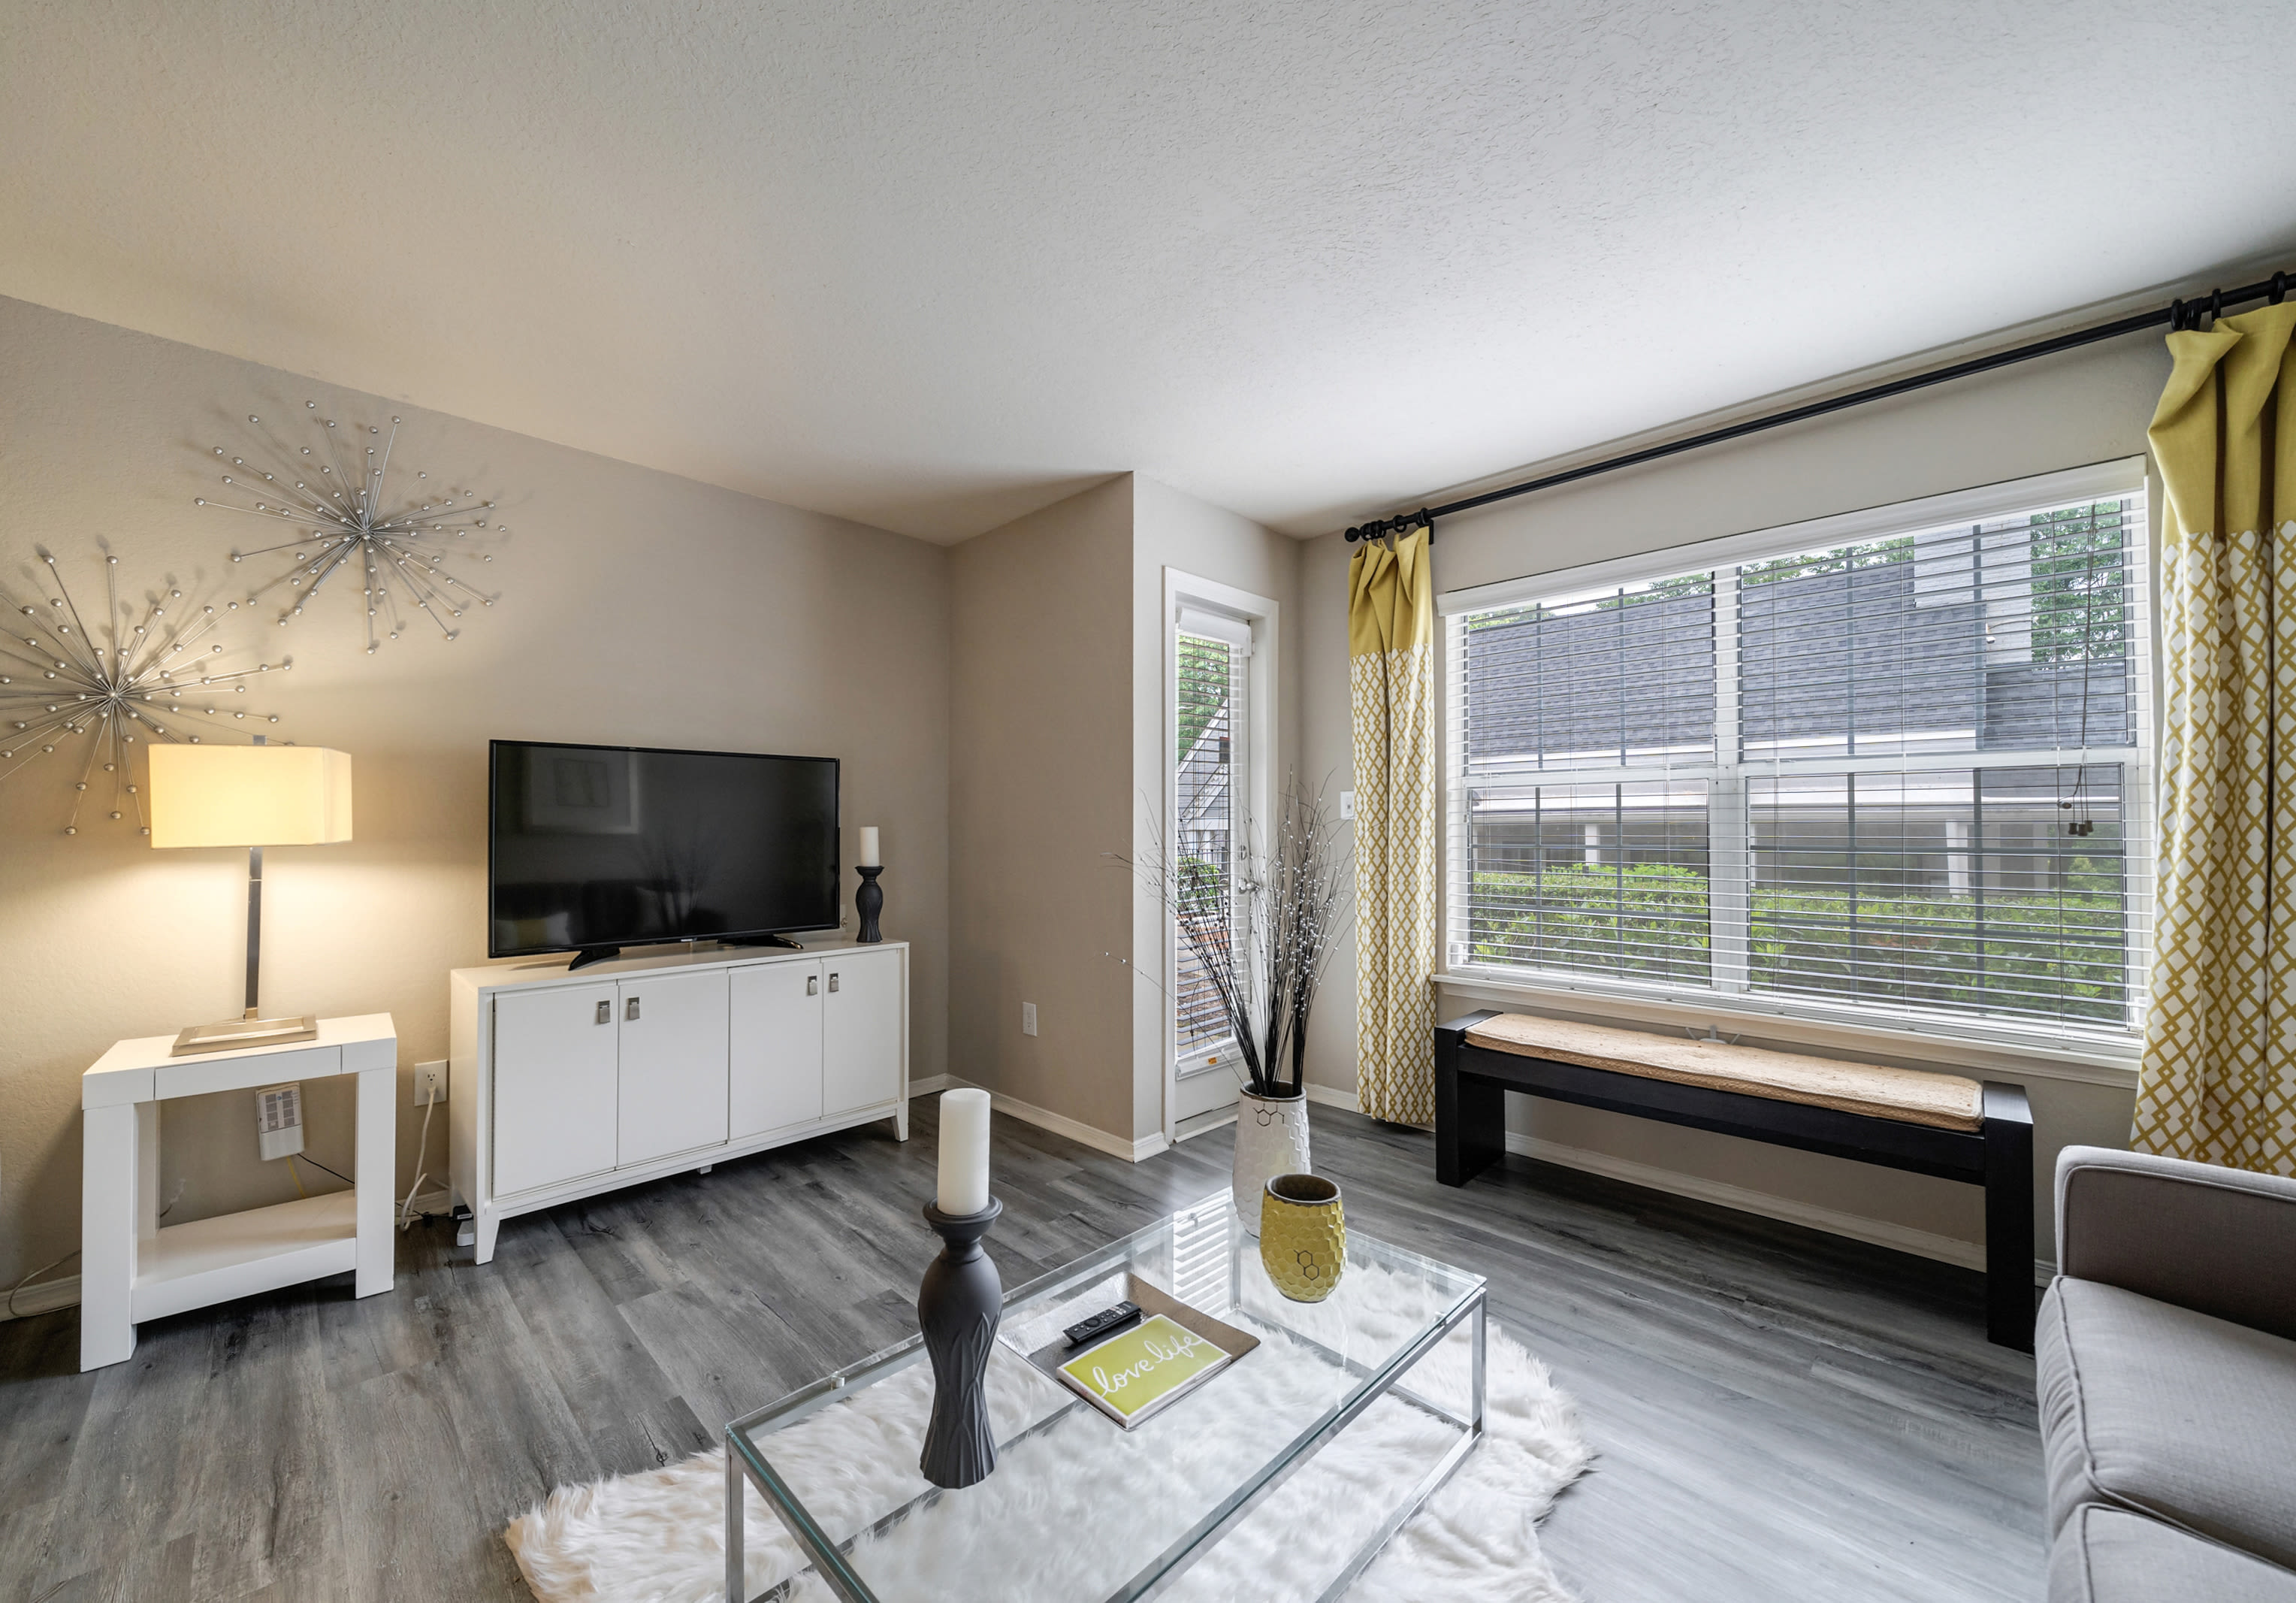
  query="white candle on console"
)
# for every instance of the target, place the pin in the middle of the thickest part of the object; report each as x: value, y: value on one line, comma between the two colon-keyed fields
x: 964, y: 1151
x: 869, y: 859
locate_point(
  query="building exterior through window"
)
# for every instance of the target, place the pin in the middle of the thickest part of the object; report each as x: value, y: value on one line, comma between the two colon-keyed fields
x: 1896, y: 775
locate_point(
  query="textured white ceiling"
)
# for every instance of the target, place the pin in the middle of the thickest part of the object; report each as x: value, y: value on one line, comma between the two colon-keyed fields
x: 930, y: 266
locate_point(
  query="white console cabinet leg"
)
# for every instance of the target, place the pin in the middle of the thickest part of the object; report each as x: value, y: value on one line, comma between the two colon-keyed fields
x: 110, y: 1212
x: 377, y: 1166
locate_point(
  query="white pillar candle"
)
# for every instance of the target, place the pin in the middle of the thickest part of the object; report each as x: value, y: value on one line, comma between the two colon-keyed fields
x: 869, y: 858
x: 964, y: 1151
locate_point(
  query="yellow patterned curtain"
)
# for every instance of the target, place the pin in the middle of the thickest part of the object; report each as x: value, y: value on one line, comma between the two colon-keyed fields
x: 2219, y: 1079
x: 1391, y: 676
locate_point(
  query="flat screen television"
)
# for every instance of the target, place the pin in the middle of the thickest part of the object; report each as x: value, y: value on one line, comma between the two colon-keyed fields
x: 595, y: 848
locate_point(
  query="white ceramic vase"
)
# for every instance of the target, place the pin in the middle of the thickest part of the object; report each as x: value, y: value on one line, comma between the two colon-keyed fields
x: 1271, y: 1138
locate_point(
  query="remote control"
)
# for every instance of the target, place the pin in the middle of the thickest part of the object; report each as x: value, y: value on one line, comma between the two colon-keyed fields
x: 1102, y: 1323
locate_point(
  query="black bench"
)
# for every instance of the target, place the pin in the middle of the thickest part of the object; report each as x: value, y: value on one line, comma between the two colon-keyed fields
x: 1471, y: 1082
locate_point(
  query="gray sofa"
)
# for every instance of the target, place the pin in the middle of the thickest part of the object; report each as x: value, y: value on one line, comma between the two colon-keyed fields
x: 2166, y: 1364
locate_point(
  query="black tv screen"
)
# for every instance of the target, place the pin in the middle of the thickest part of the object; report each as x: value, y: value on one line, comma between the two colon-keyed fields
x: 606, y: 846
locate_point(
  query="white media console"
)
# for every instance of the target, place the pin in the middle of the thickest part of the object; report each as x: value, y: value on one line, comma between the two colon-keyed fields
x: 566, y: 1084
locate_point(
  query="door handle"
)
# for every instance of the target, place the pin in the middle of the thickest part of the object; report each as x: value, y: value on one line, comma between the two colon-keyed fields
x: 832, y: 982
x: 813, y: 985
x: 606, y: 1013
x: 630, y: 1009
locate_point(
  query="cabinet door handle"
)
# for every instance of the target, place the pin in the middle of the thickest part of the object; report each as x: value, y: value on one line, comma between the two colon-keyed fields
x: 832, y: 982
x: 606, y: 1013
x: 630, y: 1009
x: 813, y: 985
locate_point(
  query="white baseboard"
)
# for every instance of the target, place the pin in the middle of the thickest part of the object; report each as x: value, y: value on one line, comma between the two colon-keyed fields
x: 1904, y: 1238
x: 1765, y: 1204
x: 1060, y: 1124
x: 1218, y: 1118
x: 42, y: 1296
x: 46, y: 1296
x: 439, y: 1200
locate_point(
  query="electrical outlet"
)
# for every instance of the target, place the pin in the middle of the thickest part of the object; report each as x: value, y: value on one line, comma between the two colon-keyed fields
x: 430, y: 1083
x: 1028, y: 1018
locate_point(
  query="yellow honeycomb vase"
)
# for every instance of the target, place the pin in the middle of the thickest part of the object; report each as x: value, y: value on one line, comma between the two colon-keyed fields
x: 1303, y: 1236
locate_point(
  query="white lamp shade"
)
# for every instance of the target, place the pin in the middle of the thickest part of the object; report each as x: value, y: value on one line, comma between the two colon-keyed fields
x: 207, y: 796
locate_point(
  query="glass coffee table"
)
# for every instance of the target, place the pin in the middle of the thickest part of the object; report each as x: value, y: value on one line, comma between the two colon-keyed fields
x: 1079, y: 1511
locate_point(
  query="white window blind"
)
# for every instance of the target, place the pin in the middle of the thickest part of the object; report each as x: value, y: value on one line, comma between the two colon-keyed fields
x: 1207, y: 757
x: 1902, y: 774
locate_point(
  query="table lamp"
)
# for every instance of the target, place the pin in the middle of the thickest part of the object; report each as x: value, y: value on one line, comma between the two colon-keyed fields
x: 252, y: 796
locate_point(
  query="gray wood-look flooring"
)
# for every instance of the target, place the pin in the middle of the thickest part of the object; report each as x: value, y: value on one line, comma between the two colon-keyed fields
x: 1778, y: 1414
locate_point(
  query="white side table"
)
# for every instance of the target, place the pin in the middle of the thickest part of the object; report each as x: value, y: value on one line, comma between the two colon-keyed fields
x: 131, y: 1270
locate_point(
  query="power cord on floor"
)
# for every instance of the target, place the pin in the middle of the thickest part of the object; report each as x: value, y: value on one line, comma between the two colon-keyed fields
x: 67, y: 1257
x: 407, y: 1215
x: 35, y: 1275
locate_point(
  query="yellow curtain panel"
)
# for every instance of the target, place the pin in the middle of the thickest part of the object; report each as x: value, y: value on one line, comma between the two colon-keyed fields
x: 2219, y: 1077
x: 1392, y: 677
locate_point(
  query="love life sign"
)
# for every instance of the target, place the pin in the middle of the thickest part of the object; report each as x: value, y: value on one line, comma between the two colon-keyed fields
x: 1132, y: 1374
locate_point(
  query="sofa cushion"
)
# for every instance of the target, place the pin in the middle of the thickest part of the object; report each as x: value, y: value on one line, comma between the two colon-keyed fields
x: 2155, y: 1409
x: 2106, y: 1555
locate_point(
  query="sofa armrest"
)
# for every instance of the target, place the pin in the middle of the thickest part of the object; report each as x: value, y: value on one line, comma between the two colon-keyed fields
x: 2218, y: 1241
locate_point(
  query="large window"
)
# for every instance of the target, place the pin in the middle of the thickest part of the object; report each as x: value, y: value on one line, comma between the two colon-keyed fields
x: 1890, y: 764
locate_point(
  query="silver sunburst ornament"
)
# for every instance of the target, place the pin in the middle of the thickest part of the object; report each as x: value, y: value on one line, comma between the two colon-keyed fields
x: 334, y: 493
x: 141, y: 676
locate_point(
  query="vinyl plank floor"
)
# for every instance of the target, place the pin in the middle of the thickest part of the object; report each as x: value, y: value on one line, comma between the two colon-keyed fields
x: 1778, y: 1414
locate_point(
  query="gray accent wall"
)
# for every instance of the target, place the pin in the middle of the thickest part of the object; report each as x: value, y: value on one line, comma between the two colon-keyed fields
x: 1058, y: 720
x: 1039, y: 788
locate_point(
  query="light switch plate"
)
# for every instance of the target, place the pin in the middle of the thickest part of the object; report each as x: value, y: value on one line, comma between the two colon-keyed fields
x: 279, y: 1121
x: 1347, y: 805
x: 1028, y: 1018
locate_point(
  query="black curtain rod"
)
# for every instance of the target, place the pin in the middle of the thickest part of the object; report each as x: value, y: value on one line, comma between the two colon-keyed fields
x: 2178, y: 315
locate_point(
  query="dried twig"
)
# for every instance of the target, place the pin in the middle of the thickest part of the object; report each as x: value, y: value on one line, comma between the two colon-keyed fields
x: 1265, y: 952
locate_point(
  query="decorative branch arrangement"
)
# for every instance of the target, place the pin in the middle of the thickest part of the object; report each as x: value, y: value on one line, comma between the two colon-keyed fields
x: 1264, y: 951
x: 64, y: 679
x: 339, y: 507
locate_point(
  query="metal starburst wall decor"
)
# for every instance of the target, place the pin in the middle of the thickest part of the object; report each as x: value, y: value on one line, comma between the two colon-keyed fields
x: 334, y: 493
x: 142, y: 672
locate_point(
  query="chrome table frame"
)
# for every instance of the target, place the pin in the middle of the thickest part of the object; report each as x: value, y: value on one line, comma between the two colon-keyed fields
x: 746, y: 1464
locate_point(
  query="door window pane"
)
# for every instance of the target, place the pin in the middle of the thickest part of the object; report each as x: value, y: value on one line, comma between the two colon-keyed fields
x: 1209, y: 678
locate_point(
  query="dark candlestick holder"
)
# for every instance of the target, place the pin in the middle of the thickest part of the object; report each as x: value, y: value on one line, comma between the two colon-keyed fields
x: 869, y: 901
x: 958, y: 1307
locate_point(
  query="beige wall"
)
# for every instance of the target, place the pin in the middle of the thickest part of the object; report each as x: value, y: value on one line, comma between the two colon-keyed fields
x: 2086, y: 407
x: 1040, y: 790
x: 636, y: 607
x: 1177, y: 532
x: 1058, y: 688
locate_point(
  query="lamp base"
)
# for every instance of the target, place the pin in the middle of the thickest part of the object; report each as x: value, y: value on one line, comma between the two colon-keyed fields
x: 238, y: 1034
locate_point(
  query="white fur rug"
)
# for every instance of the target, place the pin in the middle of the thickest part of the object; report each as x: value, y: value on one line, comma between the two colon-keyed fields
x: 1038, y: 1527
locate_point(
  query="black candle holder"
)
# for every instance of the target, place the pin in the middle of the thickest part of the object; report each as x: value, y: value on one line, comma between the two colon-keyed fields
x: 869, y: 901
x: 958, y: 1307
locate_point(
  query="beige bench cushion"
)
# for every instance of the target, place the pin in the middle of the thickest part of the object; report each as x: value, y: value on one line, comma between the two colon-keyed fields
x: 1909, y: 1095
